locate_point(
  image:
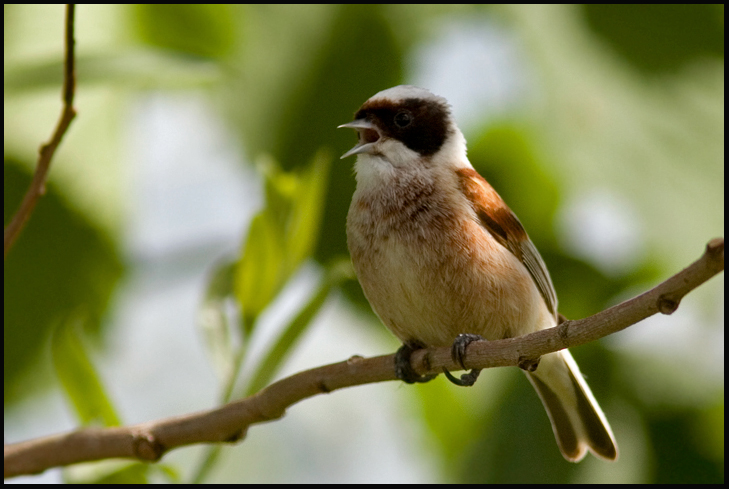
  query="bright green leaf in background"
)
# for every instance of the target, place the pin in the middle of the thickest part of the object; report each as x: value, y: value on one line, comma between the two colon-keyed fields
x: 260, y: 272
x: 281, y: 235
x: 79, y: 377
x: 307, y: 209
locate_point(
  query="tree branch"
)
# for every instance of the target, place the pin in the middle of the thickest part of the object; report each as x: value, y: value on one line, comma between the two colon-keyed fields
x: 229, y: 423
x: 38, y: 184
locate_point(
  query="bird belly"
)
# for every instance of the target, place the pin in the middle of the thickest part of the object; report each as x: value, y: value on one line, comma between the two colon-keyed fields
x: 427, y: 293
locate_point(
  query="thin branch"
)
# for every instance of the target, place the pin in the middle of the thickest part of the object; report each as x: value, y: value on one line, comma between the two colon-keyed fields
x: 229, y: 423
x: 38, y: 184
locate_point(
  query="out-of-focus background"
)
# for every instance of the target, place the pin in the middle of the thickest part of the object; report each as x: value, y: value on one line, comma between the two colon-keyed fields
x: 191, y: 245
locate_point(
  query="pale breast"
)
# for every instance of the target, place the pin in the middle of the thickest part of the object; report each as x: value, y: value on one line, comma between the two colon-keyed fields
x: 441, y: 274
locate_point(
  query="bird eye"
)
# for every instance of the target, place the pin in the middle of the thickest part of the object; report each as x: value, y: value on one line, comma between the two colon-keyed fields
x: 403, y: 119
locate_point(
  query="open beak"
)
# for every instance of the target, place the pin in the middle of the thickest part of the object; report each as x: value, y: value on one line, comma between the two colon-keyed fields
x: 368, y: 136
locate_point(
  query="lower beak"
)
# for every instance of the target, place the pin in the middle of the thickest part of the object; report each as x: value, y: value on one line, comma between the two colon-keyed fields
x: 368, y: 136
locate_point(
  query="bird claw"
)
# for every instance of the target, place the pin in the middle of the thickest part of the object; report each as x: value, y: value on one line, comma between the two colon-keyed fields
x: 404, y: 371
x: 458, y: 354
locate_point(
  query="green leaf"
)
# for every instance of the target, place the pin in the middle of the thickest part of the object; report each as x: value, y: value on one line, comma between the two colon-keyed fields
x: 283, y: 234
x: 280, y: 188
x: 259, y: 273
x: 78, y: 376
x: 110, y: 471
x: 119, y: 471
x: 134, y: 473
x: 307, y: 212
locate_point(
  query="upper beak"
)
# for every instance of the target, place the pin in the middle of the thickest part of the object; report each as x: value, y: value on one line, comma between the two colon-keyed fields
x: 368, y: 136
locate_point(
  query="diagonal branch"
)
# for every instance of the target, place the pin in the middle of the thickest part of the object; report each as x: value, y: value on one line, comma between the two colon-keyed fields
x: 38, y: 184
x: 229, y: 423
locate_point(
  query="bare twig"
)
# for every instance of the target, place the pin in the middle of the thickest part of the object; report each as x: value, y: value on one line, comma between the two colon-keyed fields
x: 46, y: 152
x: 229, y: 423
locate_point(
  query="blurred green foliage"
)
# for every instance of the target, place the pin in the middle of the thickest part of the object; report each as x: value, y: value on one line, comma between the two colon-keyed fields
x: 61, y: 265
x: 282, y: 235
x: 191, y: 29
x: 660, y: 38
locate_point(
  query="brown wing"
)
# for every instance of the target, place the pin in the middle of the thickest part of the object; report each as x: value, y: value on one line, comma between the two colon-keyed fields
x: 504, y: 226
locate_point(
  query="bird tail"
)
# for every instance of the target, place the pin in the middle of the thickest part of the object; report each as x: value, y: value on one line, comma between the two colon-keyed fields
x: 577, y: 420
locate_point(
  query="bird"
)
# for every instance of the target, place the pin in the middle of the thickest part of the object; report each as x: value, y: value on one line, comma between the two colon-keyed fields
x: 443, y: 260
